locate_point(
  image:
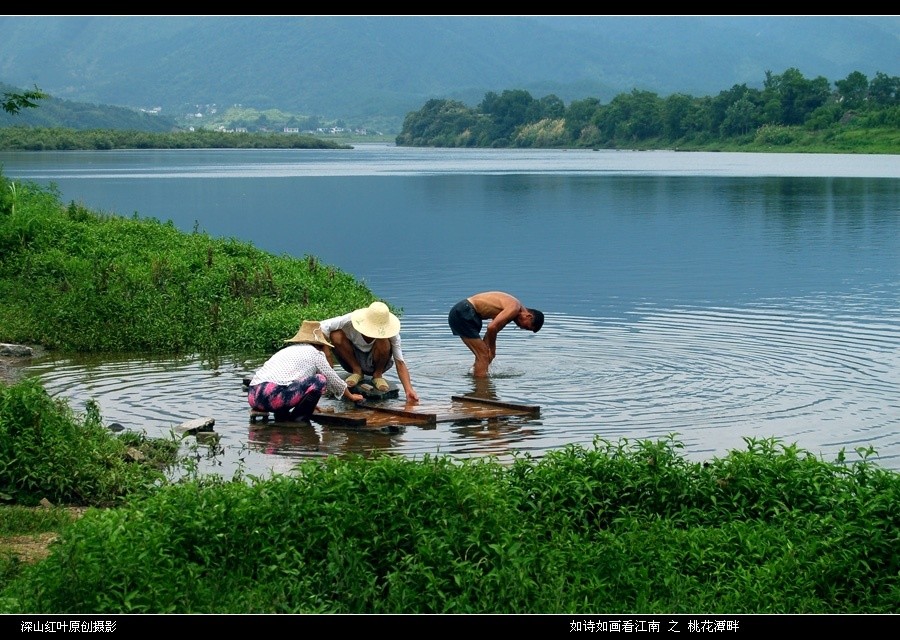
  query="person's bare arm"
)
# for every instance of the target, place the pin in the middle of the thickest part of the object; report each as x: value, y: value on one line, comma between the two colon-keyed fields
x: 403, y: 374
x: 502, y: 319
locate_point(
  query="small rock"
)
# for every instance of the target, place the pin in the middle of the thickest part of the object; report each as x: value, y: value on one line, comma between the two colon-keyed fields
x: 191, y: 427
x: 16, y: 350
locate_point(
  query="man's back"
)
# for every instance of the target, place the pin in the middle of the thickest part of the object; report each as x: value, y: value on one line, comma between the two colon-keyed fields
x: 489, y: 304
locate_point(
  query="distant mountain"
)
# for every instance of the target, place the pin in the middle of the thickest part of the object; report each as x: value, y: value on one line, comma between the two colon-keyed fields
x: 373, y: 70
x: 53, y: 112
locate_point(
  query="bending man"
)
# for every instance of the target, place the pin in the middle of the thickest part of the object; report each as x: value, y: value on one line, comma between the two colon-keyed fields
x: 466, y: 318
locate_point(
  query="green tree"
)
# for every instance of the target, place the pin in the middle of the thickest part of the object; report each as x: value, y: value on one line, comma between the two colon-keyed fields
x: 852, y: 90
x: 549, y: 107
x: 14, y: 102
x: 739, y: 118
x: 676, y: 113
x: 884, y: 90
x: 718, y: 108
x: 440, y: 123
x: 791, y: 98
x: 579, y: 116
x: 631, y: 117
x: 508, y: 112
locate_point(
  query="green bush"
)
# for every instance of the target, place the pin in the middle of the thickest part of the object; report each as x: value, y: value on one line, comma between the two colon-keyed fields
x: 776, y: 135
x: 616, y: 527
x: 46, y: 451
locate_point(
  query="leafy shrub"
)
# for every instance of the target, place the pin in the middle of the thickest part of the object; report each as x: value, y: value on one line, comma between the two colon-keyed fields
x: 46, y: 451
x: 777, y: 135
x: 75, y: 280
x: 619, y: 527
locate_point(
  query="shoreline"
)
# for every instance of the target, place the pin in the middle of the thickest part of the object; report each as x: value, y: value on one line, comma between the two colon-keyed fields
x: 12, y: 358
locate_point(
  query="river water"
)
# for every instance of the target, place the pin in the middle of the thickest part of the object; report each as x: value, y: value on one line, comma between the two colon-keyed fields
x: 710, y: 296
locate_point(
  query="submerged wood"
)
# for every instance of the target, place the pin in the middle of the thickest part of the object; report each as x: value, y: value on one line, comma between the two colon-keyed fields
x: 498, y: 403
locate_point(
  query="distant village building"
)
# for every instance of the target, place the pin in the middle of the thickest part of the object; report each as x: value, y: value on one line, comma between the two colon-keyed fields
x: 292, y: 129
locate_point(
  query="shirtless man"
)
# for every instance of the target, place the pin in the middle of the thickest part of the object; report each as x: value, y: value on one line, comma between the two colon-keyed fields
x: 466, y: 317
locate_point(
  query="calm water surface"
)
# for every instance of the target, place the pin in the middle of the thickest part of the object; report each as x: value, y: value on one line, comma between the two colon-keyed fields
x: 710, y: 295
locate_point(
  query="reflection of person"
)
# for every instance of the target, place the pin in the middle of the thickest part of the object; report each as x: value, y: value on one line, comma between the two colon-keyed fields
x: 284, y: 440
x: 466, y: 316
x: 292, y: 381
x: 483, y: 388
x: 367, y: 342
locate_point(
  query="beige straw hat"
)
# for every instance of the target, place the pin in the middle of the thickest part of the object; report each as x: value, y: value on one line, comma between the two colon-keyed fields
x: 375, y: 321
x: 310, y: 333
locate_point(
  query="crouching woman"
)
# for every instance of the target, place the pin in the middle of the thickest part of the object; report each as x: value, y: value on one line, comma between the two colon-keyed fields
x: 292, y: 381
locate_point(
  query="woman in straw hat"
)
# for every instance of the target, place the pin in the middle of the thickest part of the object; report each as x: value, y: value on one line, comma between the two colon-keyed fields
x: 292, y: 381
x: 367, y: 343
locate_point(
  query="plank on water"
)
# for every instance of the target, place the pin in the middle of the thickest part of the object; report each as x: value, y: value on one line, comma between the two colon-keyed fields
x: 526, y: 408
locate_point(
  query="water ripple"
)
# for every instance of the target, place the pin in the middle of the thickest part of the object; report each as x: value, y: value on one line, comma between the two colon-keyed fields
x: 823, y: 379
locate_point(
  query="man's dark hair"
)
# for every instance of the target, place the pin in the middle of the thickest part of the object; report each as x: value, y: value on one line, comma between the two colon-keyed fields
x: 538, y: 321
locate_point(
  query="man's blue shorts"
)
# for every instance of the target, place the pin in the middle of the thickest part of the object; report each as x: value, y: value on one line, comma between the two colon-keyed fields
x: 464, y: 321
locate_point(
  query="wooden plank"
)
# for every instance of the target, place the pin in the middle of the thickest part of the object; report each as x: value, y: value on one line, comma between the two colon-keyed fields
x: 372, y: 417
x: 498, y: 403
x: 460, y: 417
x: 382, y: 428
x: 427, y: 418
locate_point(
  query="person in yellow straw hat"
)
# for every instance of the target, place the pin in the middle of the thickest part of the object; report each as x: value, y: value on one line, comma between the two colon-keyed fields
x: 367, y: 343
x: 291, y: 382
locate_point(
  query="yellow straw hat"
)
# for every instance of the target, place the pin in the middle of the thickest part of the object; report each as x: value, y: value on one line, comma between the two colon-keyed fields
x: 310, y: 332
x: 375, y: 321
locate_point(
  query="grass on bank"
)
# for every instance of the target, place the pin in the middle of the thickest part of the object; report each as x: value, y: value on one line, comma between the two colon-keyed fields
x: 627, y: 526
x: 75, y: 280
x: 782, y: 139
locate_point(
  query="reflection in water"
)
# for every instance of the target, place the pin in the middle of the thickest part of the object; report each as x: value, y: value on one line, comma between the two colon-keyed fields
x: 494, y: 436
x: 302, y: 438
x: 484, y: 388
x: 306, y: 440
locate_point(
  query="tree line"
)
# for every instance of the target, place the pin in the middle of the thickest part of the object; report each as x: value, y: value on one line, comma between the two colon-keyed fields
x: 787, y: 108
x: 62, y: 139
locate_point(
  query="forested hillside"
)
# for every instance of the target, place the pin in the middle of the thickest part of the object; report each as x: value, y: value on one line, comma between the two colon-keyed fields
x: 373, y: 70
x: 791, y: 111
x: 54, y: 112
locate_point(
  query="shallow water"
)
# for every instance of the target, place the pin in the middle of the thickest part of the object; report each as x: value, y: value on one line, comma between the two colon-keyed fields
x: 716, y: 297
x: 711, y: 376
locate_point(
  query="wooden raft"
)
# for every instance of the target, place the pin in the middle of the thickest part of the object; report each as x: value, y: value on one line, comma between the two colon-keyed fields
x: 368, y: 416
x: 327, y: 418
